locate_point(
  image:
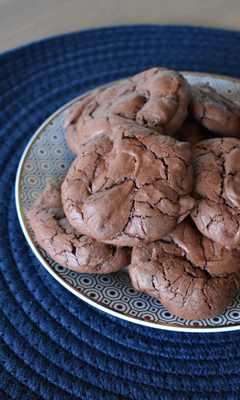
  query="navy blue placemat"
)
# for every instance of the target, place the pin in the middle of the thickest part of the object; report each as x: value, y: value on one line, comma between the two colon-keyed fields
x: 53, y: 345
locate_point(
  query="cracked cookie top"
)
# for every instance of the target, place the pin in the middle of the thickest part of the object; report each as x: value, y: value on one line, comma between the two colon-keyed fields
x: 191, y: 275
x: 217, y: 189
x: 215, y: 112
x: 67, y: 246
x: 157, y: 98
x: 130, y: 185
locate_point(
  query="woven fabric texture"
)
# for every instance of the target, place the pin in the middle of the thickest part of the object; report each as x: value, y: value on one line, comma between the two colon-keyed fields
x: 53, y: 345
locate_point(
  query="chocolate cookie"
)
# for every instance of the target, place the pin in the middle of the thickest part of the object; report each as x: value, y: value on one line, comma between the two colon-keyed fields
x: 217, y: 190
x: 79, y: 123
x: 192, y: 276
x: 67, y: 246
x: 167, y: 95
x: 157, y: 99
x: 215, y: 112
x: 190, y: 132
x: 78, y: 136
x: 74, y: 113
x: 129, y: 186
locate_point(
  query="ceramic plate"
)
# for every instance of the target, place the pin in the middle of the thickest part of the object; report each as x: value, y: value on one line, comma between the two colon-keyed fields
x: 47, y: 158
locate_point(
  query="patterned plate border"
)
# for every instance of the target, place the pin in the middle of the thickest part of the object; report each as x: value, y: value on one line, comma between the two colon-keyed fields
x: 47, y: 158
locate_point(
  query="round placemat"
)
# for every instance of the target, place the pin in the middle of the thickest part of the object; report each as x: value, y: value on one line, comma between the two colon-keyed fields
x: 53, y: 345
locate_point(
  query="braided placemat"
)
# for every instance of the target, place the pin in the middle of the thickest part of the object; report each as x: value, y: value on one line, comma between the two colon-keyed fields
x: 53, y: 345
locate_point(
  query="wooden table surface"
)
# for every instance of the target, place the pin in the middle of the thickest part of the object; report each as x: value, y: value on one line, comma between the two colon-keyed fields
x: 24, y: 21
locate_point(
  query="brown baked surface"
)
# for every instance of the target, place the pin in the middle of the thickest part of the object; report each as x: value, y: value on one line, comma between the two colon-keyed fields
x: 192, y: 276
x: 217, y: 189
x: 67, y: 246
x: 129, y: 186
x: 214, y: 111
x: 157, y: 98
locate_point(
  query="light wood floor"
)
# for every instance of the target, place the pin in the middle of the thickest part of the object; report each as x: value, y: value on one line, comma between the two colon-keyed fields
x: 24, y: 21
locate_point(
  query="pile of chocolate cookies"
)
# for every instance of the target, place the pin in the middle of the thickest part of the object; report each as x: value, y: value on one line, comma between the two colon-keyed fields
x: 156, y: 183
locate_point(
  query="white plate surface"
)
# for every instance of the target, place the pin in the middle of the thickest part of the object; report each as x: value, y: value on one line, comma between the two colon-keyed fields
x: 47, y: 158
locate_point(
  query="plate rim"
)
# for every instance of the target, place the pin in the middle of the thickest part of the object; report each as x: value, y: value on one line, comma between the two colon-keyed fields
x: 49, y: 268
